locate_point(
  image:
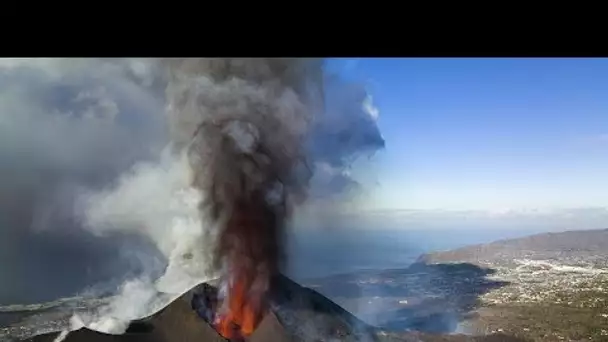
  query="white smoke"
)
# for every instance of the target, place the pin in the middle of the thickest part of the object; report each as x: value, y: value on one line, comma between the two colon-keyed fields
x: 156, y: 201
x: 91, y: 130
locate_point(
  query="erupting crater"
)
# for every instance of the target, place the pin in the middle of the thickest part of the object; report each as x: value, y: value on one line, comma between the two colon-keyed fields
x: 248, y: 254
x: 292, y: 313
x: 242, y: 312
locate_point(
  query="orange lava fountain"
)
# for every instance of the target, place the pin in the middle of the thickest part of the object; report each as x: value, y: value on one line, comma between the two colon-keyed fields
x: 241, y: 317
x: 251, y: 262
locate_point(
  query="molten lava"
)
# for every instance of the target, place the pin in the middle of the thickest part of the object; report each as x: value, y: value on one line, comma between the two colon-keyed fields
x: 241, y: 315
x: 247, y: 242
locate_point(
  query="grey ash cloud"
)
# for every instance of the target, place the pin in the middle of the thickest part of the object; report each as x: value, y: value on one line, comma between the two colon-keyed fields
x: 72, y: 126
x: 64, y: 126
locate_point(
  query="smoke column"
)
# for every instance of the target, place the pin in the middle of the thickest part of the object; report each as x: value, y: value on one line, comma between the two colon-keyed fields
x: 246, y: 122
x: 156, y: 161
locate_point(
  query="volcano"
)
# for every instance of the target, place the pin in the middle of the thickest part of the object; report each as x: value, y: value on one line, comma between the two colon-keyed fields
x: 296, y: 313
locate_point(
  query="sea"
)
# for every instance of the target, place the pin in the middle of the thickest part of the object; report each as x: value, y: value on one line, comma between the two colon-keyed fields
x: 312, y: 254
x: 321, y: 253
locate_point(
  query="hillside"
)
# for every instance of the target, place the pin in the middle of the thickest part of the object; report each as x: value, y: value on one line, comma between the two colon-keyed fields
x: 575, y: 248
x: 545, y: 287
x: 557, y: 285
x: 299, y: 314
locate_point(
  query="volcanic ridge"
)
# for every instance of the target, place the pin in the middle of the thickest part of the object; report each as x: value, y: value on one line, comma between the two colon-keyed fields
x: 298, y: 314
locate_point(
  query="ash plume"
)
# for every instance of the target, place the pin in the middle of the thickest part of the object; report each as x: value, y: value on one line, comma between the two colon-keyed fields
x: 159, y: 162
x: 245, y: 122
x: 251, y: 128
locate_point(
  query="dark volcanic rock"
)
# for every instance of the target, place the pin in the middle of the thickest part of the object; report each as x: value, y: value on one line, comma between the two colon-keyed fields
x: 310, y: 316
x: 298, y: 314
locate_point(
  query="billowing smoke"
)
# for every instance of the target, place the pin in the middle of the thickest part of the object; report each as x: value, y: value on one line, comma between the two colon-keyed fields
x: 246, y: 122
x: 155, y: 175
x: 66, y: 127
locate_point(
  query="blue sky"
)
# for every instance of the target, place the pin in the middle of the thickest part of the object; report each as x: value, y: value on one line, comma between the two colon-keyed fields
x: 488, y: 134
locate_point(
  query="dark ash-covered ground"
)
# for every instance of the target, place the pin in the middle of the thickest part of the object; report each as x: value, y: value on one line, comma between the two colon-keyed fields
x: 302, y: 315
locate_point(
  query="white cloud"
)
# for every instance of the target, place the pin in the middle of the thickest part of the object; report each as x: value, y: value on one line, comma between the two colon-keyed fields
x: 369, y: 108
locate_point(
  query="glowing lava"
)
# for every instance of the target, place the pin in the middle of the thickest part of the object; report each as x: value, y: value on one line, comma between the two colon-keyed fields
x: 241, y: 316
x: 248, y: 239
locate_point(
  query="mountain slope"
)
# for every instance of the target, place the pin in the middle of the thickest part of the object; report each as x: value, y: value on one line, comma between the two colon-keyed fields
x: 299, y: 314
x: 583, y: 248
x: 558, y: 285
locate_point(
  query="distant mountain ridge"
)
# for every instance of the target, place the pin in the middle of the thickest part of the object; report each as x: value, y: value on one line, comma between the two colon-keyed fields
x: 576, y: 247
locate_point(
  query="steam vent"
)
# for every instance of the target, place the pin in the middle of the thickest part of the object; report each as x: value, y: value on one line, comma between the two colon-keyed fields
x: 296, y: 314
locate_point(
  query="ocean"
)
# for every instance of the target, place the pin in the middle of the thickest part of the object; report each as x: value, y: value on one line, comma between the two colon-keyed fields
x: 320, y: 253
